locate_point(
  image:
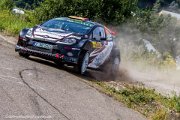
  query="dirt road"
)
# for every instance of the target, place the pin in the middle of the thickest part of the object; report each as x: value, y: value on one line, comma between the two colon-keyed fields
x: 37, y: 89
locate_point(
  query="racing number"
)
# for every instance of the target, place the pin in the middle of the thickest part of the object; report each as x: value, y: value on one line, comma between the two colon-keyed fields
x: 97, y: 35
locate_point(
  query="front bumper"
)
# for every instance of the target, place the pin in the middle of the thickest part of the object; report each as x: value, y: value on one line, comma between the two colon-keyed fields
x: 45, y: 55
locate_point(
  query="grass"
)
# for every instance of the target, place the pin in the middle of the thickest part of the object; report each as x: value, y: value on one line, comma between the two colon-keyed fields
x: 146, y: 101
x: 11, y: 24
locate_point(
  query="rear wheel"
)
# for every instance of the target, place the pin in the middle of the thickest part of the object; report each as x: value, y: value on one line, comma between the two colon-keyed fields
x: 115, y: 67
x: 111, y: 68
x: 24, y: 54
x: 83, y: 62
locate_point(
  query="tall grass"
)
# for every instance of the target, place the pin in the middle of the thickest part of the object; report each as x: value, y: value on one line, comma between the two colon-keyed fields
x: 151, y: 104
x: 11, y: 23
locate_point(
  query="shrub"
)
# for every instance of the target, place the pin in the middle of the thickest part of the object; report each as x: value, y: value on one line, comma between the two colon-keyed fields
x: 6, y: 4
x: 109, y: 11
x: 12, y: 24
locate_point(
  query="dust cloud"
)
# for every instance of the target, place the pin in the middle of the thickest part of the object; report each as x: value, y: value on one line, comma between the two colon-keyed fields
x: 135, y: 67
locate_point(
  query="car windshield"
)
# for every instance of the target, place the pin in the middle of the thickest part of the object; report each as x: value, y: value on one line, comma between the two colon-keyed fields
x: 74, y: 26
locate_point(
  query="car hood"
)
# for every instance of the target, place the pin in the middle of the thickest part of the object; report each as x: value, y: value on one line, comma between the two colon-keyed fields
x: 41, y: 33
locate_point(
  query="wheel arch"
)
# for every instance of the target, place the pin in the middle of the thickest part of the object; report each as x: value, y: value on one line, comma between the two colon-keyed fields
x: 85, y: 45
x: 23, y: 32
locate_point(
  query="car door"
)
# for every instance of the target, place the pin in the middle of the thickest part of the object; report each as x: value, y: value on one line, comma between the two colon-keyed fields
x: 102, y: 47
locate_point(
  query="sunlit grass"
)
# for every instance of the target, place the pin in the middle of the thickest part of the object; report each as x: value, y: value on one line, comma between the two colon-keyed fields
x: 12, y: 24
x: 147, y: 101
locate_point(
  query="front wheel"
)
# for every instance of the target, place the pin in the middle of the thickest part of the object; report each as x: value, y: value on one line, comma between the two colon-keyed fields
x: 83, y: 62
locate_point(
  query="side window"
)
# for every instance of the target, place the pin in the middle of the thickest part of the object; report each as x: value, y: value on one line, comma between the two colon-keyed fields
x: 102, y: 32
x: 99, y: 33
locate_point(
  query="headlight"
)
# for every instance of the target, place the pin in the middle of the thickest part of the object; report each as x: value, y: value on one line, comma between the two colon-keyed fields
x: 29, y: 33
x: 68, y: 41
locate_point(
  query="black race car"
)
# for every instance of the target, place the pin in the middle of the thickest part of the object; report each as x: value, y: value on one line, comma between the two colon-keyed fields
x: 73, y: 41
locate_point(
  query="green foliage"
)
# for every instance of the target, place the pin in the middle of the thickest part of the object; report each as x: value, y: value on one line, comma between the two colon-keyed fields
x: 161, y: 30
x: 27, y: 4
x: 160, y: 115
x: 168, y: 61
x: 147, y: 101
x: 177, y: 105
x: 149, y: 22
x: 12, y: 24
x: 6, y: 4
x: 110, y: 11
x: 138, y: 95
x: 117, y: 10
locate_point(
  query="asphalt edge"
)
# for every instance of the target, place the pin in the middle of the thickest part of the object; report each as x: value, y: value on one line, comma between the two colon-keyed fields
x: 5, y: 39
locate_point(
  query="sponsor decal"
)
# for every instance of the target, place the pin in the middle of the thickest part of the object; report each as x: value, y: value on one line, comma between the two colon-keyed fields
x: 96, y: 44
x: 42, y: 45
x: 101, y: 56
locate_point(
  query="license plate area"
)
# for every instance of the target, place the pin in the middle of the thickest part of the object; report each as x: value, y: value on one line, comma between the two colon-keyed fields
x: 42, y: 45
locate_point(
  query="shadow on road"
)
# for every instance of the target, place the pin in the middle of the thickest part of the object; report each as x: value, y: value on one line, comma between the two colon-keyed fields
x: 87, y: 76
x: 91, y: 75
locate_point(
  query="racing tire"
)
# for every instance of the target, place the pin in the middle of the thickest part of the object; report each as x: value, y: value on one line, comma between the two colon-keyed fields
x: 25, y: 55
x: 111, y: 68
x: 114, y: 68
x: 83, y: 62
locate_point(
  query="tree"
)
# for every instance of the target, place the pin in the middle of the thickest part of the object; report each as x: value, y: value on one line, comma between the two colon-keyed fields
x: 27, y: 4
x: 110, y: 11
x: 117, y: 10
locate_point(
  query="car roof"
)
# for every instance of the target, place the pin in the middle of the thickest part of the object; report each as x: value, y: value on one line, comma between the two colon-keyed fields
x: 85, y: 20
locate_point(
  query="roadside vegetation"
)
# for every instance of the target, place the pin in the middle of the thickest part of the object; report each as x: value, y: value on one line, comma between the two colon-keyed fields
x: 11, y: 24
x: 147, y: 101
x: 135, y: 19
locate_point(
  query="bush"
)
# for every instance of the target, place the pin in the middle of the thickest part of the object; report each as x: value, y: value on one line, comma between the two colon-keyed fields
x: 110, y: 11
x: 12, y: 24
x: 6, y: 4
x: 27, y: 4
x: 168, y: 61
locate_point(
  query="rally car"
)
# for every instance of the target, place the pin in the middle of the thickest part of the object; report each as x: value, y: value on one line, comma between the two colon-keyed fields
x: 72, y: 40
